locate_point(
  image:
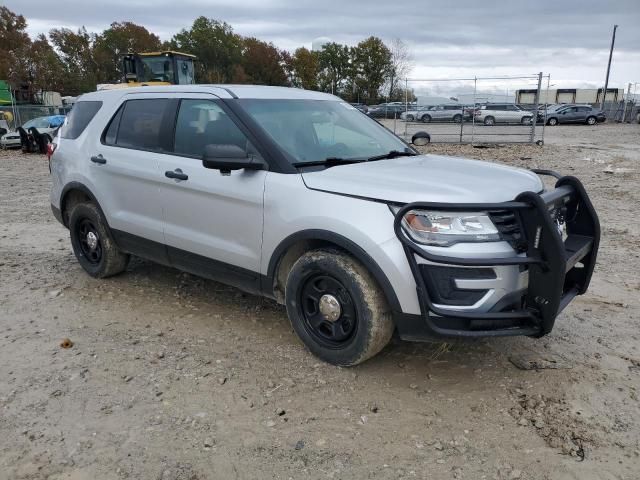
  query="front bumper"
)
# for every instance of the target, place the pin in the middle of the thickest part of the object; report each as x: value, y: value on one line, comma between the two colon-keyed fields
x: 558, y: 268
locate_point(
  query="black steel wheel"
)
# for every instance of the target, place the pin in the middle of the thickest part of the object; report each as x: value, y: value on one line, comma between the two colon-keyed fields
x: 327, y: 310
x: 337, y: 308
x: 89, y: 239
x: 92, y: 242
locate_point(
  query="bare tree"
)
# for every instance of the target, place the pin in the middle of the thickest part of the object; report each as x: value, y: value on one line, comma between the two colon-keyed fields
x: 401, y: 65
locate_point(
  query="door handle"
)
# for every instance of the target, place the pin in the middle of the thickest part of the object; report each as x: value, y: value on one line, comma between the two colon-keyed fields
x: 99, y: 159
x: 177, y: 174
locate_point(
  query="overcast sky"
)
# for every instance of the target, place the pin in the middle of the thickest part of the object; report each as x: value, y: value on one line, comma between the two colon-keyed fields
x: 447, y: 39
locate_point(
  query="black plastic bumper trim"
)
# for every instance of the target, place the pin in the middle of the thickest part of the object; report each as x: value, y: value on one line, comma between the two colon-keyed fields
x: 554, y: 275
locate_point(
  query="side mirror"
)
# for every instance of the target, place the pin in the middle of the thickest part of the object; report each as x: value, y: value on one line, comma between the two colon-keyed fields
x: 420, y: 138
x: 229, y: 157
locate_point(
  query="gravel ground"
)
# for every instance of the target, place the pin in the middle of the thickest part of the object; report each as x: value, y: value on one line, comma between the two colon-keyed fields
x: 175, y: 377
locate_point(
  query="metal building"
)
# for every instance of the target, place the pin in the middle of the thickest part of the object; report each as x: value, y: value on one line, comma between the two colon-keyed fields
x: 569, y: 95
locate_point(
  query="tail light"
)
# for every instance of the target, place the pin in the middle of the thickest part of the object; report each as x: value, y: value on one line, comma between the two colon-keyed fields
x: 51, y: 147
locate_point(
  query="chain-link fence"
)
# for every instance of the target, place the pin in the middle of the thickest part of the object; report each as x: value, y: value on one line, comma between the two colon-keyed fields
x: 470, y: 110
x: 21, y: 114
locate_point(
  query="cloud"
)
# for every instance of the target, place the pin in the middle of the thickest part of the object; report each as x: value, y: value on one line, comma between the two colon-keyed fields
x: 569, y: 39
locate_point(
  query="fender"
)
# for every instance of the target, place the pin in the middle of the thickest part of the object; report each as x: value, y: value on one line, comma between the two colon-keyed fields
x: 74, y: 185
x: 349, y: 246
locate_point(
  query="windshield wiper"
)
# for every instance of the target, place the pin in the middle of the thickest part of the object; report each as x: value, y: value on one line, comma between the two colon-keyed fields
x: 391, y: 154
x: 328, y: 162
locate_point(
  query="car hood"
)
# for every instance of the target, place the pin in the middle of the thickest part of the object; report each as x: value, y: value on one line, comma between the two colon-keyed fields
x: 426, y: 178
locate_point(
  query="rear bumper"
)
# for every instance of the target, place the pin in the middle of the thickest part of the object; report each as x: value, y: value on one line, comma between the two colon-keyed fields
x: 558, y: 268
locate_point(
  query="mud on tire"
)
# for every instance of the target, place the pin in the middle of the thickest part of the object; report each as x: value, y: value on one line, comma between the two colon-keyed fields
x: 93, y: 243
x: 364, y: 325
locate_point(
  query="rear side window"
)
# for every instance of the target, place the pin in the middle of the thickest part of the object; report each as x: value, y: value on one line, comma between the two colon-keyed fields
x: 139, y: 126
x: 81, y: 114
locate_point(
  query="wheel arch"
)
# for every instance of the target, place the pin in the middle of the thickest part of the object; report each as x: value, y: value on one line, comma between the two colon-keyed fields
x: 294, y: 246
x: 72, y: 193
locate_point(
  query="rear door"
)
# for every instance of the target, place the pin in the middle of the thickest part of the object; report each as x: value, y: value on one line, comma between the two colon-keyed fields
x: 213, y: 221
x: 124, y: 165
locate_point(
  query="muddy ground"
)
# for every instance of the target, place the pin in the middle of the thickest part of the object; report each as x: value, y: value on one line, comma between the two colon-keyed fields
x: 175, y: 377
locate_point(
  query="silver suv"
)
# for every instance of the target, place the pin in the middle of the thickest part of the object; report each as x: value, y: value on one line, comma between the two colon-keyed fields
x: 298, y: 196
x: 493, y: 113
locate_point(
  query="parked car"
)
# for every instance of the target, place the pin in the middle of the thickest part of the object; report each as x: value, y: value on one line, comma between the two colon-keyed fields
x: 46, y: 126
x: 361, y: 106
x: 573, y: 114
x: 10, y: 140
x: 443, y: 113
x: 295, y: 195
x: 415, y: 113
x: 493, y: 113
x: 386, y: 110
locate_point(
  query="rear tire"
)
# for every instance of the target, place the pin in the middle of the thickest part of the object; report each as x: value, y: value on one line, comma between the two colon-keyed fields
x: 426, y: 118
x: 457, y: 118
x: 489, y: 121
x: 410, y: 118
x: 592, y: 120
x: 337, y: 308
x: 526, y: 120
x: 93, y: 243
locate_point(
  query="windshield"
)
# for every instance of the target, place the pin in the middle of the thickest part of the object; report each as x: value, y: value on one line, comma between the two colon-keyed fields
x: 40, y: 122
x: 314, y: 130
x: 157, y: 69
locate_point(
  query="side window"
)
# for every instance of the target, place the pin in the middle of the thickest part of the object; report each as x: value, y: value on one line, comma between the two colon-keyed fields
x: 203, y: 122
x: 512, y: 108
x: 78, y: 119
x: 111, y: 134
x: 140, y: 124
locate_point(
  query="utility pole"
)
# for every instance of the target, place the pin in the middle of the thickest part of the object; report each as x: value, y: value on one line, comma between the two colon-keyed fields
x: 606, y: 82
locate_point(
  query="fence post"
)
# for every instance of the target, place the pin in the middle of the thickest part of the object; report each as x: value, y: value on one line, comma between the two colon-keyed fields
x: 626, y: 100
x: 406, y: 105
x: 473, y: 118
x: 534, y: 118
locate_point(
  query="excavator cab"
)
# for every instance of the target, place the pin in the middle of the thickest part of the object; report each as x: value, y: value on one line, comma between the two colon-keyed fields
x: 158, y: 68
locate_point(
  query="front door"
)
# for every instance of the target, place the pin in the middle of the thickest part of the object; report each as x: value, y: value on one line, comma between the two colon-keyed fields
x: 213, y: 221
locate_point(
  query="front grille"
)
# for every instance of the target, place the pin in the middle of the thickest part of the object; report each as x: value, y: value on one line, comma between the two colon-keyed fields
x: 441, y: 286
x: 508, y: 224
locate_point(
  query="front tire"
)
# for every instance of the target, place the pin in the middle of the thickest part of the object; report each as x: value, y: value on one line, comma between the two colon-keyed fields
x: 410, y: 118
x: 489, y: 121
x: 552, y: 122
x: 457, y: 118
x: 337, y: 308
x: 93, y: 244
x: 426, y: 118
x: 526, y: 120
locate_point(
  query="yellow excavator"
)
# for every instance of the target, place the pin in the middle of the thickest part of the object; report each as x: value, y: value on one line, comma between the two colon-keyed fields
x: 155, y: 68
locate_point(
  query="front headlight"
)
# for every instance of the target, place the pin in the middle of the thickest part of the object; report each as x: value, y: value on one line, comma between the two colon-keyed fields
x: 443, y: 229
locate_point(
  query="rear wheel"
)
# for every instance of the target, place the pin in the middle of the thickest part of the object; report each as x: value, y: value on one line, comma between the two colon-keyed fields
x: 336, y: 308
x: 410, y: 118
x: 92, y: 242
x: 552, y: 121
x: 426, y: 118
x: 525, y: 121
x: 457, y: 118
x: 592, y: 120
x: 489, y: 121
